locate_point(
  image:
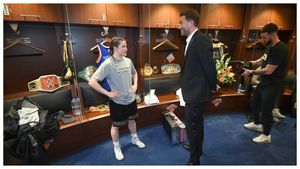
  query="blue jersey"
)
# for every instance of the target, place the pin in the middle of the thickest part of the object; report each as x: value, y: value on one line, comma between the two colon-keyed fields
x: 103, y: 55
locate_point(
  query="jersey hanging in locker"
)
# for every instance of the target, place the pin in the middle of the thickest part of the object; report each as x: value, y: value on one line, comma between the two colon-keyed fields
x: 103, y: 55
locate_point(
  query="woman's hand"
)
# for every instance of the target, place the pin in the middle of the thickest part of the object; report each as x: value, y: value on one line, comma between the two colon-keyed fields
x: 113, y: 94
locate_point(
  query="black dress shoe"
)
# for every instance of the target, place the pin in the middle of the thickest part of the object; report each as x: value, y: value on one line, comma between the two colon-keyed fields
x: 193, y: 163
x: 187, y: 147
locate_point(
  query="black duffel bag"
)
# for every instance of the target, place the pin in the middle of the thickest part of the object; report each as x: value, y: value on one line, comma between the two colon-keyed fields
x: 26, y: 142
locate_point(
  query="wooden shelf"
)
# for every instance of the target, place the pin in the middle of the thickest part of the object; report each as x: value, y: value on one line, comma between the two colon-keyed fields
x: 163, y: 99
x: 79, y: 120
x: 95, y: 115
x: 162, y: 75
x: 226, y: 93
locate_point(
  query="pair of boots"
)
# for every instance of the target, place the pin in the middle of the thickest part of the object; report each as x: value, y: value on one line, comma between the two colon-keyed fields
x: 134, y: 140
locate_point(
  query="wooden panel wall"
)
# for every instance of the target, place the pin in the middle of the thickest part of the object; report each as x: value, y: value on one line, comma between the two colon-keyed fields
x: 19, y: 70
x: 49, y: 36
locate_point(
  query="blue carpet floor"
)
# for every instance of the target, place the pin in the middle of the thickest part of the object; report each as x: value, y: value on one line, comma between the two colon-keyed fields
x: 226, y: 143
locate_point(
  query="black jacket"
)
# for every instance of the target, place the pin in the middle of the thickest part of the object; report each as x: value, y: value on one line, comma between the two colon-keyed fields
x: 198, y: 75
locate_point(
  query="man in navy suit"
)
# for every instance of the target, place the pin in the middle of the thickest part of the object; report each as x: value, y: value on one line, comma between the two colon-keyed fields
x: 198, y: 80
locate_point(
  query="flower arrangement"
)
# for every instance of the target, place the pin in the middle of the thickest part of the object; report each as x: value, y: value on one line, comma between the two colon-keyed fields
x: 225, y: 76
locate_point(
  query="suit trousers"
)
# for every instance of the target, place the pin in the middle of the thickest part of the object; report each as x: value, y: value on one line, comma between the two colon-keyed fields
x: 195, y: 129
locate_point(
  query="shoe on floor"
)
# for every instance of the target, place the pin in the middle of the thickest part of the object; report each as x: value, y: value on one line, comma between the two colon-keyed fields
x: 275, y: 119
x: 276, y: 113
x: 118, y: 153
x: 187, y: 146
x: 254, y: 127
x: 138, y: 143
x: 193, y: 163
x: 262, y: 139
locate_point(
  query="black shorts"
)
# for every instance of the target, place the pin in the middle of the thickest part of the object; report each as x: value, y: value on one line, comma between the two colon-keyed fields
x: 120, y: 114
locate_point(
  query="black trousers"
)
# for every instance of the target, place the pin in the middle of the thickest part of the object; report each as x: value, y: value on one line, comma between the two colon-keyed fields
x: 279, y: 92
x: 263, y: 100
x: 195, y: 129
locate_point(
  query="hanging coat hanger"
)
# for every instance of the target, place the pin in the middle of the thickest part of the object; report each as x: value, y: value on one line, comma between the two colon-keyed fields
x: 165, y: 45
x: 93, y: 49
x: 106, y: 40
x: 20, y: 42
x: 216, y: 39
x: 256, y: 42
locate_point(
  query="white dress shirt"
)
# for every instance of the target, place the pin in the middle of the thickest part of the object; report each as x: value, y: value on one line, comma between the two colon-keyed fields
x: 188, y: 39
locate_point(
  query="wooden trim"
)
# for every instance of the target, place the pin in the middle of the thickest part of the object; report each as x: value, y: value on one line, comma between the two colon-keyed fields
x: 240, y: 48
x: 31, y: 93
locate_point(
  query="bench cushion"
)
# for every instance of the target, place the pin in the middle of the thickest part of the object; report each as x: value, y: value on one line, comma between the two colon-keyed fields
x: 59, y: 100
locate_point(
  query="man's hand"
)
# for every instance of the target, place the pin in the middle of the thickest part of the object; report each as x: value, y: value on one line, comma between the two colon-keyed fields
x: 133, y: 89
x: 217, y: 102
x: 217, y: 88
x: 113, y: 94
x: 247, y: 72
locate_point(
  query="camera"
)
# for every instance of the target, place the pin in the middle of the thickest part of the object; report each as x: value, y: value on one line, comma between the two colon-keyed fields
x: 244, y: 65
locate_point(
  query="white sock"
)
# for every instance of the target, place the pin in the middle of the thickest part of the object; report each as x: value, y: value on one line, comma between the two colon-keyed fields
x: 117, y: 144
x: 134, y: 137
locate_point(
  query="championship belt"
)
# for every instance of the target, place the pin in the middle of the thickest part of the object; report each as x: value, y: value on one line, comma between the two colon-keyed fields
x: 87, y: 72
x: 170, y: 68
x: 100, y: 108
x: 47, y: 83
x: 148, y: 70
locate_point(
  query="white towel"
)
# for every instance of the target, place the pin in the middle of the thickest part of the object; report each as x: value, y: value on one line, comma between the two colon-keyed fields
x: 29, y: 115
x: 179, y: 94
x: 151, y: 99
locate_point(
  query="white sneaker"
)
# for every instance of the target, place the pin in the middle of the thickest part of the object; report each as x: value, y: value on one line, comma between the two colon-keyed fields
x: 255, y: 127
x: 276, y: 113
x: 276, y: 119
x: 262, y: 139
x: 138, y: 143
x: 118, y: 153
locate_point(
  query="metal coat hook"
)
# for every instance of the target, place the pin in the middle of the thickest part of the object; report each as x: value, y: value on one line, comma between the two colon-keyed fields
x: 105, y: 33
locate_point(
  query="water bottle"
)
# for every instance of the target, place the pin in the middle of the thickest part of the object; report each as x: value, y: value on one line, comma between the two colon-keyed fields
x: 75, y: 103
x: 239, y: 90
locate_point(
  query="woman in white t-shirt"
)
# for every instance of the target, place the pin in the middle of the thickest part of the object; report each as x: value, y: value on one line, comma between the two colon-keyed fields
x: 122, y: 78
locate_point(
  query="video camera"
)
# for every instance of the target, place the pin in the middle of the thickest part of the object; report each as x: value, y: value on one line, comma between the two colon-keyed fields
x: 241, y: 65
x: 243, y: 84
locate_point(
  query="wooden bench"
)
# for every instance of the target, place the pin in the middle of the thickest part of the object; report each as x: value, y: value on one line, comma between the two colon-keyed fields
x: 93, y: 127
